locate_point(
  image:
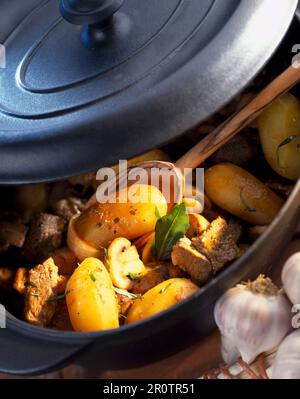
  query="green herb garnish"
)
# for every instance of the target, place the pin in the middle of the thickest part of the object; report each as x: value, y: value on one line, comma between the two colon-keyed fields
x: 128, y: 294
x: 105, y: 253
x: 286, y: 141
x: 157, y: 213
x: 54, y: 298
x: 29, y: 284
x: 132, y: 276
x: 244, y: 202
x: 168, y: 230
x: 164, y: 288
x: 92, y: 277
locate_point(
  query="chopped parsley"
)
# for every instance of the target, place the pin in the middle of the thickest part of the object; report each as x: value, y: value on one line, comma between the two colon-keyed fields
x: 92, y: 276
x: 29, y: 284
x: 245, y: 204
x: 164, y: 288
x: 285, y: 142
x: 54, y: 298
x: 132, y: 276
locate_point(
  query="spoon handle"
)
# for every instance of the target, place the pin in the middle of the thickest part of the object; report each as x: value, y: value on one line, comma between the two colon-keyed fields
x: 233, y: 125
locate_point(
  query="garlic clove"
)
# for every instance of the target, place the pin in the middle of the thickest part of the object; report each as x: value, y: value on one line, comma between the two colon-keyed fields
x: 287, y: 359
x: 229, y: 351
x: 255, y: 317
x: 290, y: 278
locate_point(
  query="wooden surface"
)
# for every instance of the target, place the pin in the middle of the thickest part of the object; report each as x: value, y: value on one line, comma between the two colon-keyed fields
x: 190, y: 363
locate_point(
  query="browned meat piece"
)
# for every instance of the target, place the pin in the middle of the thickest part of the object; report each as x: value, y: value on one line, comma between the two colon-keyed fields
x: 42, y: 286
x: 6, y: 278
x: 198, y: 224
x: 86, y: 181
x: 66, y: 208
x: 21, y: 278
x: 156, y: 273
x: 193, y: 262
x: 175, y: 271
x: 62, y: 284
x: 61, y: 320
x: 65, y: 260
x: 239, y: 150
x: 219, y: 242
x: 43, y: 237
x: 124, y: 303
x: 12, y: 231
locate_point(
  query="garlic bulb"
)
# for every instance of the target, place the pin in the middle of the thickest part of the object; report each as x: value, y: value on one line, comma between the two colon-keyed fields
x: 291, y: 278
x: 253, y: 318
x: 287, y: 361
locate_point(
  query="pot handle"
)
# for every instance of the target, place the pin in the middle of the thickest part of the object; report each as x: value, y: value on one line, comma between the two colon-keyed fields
x: 21, y: 355
x: 95, y: 17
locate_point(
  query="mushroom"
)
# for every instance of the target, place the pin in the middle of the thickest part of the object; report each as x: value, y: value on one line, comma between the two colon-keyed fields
x: 124, y: 263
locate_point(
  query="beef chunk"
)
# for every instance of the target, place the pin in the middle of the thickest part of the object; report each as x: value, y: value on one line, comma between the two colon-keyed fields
x: 191, y: 261
x: 12, y: 232
x: 207, y: 254
x: 61, y: 319
x: 124, y: 303
x: 44, y: 236
x: 218, y: 242
x: 156, y: 273
x: 43, y: 282
x: 66, y: 208
x: 175, y: 271
x: 65, y: 260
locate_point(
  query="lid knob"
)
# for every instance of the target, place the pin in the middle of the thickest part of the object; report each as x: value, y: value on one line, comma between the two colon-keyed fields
x: 93, y: 15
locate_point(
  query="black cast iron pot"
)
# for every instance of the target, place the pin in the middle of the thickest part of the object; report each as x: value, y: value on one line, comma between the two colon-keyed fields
x: 29, y: 350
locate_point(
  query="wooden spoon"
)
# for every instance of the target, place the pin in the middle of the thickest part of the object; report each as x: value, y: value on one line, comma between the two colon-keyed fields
x: 233, y: 125
x: 223, y: 133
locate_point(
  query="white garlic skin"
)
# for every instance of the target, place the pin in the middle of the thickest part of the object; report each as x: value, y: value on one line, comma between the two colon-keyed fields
x: 287, y: 360
x: 290, y: 278
x: 251, y: 323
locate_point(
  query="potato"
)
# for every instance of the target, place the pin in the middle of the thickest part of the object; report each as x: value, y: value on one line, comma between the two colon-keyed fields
x: 161, y: 297
x: 91, y: 299
x: 279, y: 129
x: 100, y: 224
x: 240, y: 193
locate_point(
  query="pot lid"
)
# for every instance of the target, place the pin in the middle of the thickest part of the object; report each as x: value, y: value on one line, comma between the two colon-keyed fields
x: 89, y: 82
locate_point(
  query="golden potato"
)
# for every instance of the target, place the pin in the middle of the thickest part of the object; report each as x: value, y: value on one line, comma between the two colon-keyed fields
x: 161, y: 297
x: 100, y: 224
x: 240, y: 193
x: 91, y: 299
x: 279, y: 129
